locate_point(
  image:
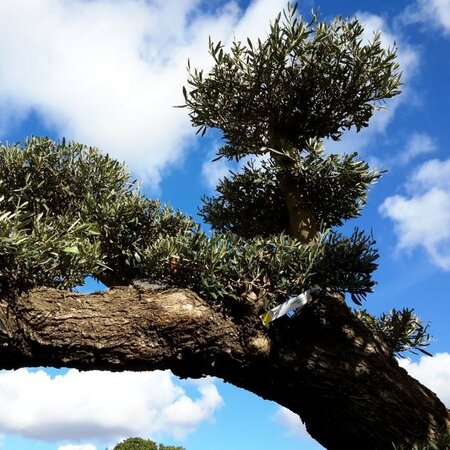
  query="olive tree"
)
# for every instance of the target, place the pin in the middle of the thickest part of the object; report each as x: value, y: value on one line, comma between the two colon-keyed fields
x: 68, y: 211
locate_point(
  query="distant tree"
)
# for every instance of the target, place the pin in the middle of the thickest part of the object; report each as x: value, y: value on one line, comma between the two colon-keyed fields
x: 67, y: 211
x: 137, y: 443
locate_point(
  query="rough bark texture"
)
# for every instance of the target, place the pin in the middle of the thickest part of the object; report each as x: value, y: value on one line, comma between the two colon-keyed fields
x: 323, y: 364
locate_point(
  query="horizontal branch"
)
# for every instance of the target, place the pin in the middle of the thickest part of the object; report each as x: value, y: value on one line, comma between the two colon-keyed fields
x: 126, y: 328
x: 324, y: 364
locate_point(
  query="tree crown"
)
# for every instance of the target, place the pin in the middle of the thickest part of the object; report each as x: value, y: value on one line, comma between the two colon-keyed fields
x: 136, y: 443
x: 68, y: 211
x: 305, y: 81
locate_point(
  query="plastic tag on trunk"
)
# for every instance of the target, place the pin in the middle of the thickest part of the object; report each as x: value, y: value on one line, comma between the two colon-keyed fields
x: 293, y: 304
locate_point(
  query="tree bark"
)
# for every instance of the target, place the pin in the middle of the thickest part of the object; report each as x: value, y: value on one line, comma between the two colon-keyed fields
x: 302, y: 224
x: 323, y: 364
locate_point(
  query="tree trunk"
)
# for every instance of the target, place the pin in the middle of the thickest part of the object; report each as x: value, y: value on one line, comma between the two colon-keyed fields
x: 323, y: 364
x: 302, y: 224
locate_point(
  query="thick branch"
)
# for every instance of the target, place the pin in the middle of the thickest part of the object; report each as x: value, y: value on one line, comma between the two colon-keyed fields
x: 323, y: 364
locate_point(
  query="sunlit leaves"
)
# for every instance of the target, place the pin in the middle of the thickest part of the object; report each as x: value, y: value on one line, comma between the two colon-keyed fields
x: 36, y: 250
x: 401, y: 330
x: 306, y: 80
x: 68, y: 211
x: 226, y: 266
x: 117, y: 235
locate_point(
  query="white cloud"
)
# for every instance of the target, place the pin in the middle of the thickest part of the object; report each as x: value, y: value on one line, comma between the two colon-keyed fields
x: 422, y: 217
x: 77, y: 447
x: 184, y: 414
x: 108, y: 73
x: 213, y: 171
x: 101, y: 405
x: 433, y: 372
x: 434, y: 13
x: 418, y: 144
x: 292, y: 423
x: 433, y: 173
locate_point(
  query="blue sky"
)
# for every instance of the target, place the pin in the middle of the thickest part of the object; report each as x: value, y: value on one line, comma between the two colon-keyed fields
x: 107, y: 74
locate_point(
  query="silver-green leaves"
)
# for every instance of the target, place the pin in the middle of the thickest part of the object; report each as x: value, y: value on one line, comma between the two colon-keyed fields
x: 306, y: 80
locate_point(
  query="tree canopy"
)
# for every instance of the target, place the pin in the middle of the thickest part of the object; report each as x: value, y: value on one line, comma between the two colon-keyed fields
x: 136, y: 443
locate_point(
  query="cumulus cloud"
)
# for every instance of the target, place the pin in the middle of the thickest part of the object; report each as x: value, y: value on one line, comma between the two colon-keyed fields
x: 108, y: 73
x: 434, y: 13
x: 422, y: 216
x: 292, y: 423
x: 77, y: 447
x: 417, y: 145
x: 213, y: 171
x: 433, y: 372
x: 104, y: 406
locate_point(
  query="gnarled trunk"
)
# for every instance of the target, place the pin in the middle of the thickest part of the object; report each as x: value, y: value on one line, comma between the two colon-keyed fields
x: 323, y: 364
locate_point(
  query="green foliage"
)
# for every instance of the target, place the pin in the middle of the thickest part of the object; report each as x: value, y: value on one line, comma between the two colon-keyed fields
x: 68, y: 211
x: 37, y: 250
x: 226, y: 266
x: 401, y: 330
x: 58, y: 179
x: 251, y: 203
x: 73, y: 228
x: 350, y: 262
x: 306, y: 80
x: 137, y: 443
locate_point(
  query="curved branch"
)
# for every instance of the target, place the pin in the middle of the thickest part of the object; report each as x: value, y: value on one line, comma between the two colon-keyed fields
x: 323, y: 364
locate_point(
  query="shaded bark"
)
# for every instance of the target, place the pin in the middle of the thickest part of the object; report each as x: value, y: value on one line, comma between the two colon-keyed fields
x: 323, y: 364
x: 302, y: 224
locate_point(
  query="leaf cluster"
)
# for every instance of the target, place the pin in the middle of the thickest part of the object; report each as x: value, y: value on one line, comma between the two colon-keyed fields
x: 252, y: 203
x: 68, y: 211
x: 441, y: 442
x: 136, y: 443
x: 306, y: 80
x: 401, y: 330
x: 36, y: 250
x: 226, y: 266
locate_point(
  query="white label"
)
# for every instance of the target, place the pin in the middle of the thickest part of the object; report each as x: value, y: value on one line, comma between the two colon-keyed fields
x: 293, y: 304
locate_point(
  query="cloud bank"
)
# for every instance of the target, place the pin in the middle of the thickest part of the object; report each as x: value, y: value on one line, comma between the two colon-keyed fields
x: 422, y: 216
x: 108, y: 73
x: 77, y: 447
x: 431, y: 13
x: 433, y: 372
x: 101, y: 406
